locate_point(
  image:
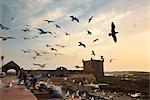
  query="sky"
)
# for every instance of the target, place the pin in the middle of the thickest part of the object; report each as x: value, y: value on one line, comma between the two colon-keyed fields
x: 131, y: 18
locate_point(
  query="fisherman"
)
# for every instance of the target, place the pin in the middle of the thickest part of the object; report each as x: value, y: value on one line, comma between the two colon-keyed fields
x: 22, y: 77
x: 33, y: 81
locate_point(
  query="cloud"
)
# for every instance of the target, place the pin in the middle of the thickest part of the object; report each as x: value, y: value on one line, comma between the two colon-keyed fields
x: 123, y: 13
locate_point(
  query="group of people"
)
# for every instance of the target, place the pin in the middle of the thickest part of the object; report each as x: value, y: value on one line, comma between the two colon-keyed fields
x: 26, y: 79
x: 30, y: 81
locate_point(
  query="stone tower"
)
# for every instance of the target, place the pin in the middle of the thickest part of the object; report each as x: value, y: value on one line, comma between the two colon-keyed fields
x: 95, y: 67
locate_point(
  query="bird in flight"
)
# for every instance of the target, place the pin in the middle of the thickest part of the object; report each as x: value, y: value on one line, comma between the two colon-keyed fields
x: 111, y: 60
x: 48, y: 45
x: 43, y: 32
x: 49, y: 21
x: 93, y: 53
x: 26, y: 38
x: 57, y: 26
x: 37, y: 53
x: 81, y: 44
x: 12, y: 18
x: 34, y: 57
x: 26, y: 51
x: 45, y: 52
x: 26, y: 30
x: 74, y: 18
x: 5, y: 38
x: 60, y: 54
x: 3, y: 27
x: 41, y: 65
x: 95, y: 40
x: 113, y: 32
x: 90, y: 19
x: 60, y: 45
x: 89, y: 33
x: 67, y: 34
x: 53, y: 49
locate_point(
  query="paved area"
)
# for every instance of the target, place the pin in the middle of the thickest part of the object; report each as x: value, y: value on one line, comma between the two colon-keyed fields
x: 16, y: 92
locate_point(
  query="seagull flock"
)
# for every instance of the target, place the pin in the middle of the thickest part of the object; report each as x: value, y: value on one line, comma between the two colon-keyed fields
x: 54, y: 47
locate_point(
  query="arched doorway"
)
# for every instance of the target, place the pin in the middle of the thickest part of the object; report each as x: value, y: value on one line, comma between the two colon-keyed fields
x: 11, y: 72
x: 11, y: 65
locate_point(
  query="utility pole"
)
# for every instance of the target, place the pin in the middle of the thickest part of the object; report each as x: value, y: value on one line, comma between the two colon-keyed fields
x: 2, y: 59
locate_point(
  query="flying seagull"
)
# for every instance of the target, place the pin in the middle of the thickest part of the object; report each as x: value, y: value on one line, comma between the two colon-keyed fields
x: 67, y: 34
x: 26, y: 30
x: 37, y: 53
x: 90, y: 19
x: 58, y: 54
x: 41, y: 65
x: 5, y: 38
x: 43, y: 32
x: 26, y: 51
x: 95, y: 40
x: 89, y: 33
x: 26, y: 38
x: 111, y: 60
x: 74, y: 18
x: 48, y: 45
x: 93, y: 53
x: 81, y: 44
x: 12, y: 18
x: 113, y: 32
x: 53, y: 49
x: 45, y: 52
x: 49, y: 21
x: 3, y: 27
x: 57, y: 26
x: 60, y: 45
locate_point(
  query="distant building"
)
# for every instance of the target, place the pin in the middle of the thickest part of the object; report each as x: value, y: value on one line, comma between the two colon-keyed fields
x: 11, y: 65
x: 95, y: 67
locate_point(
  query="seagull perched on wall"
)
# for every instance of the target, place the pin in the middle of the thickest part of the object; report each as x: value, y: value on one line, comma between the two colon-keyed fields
x: 74, y: 18
x: 81, y: 44
x: 67, y: 94
x: 113, y: 32
x: 90, y: 19
x: 78, y: 66
x: 6, y: 38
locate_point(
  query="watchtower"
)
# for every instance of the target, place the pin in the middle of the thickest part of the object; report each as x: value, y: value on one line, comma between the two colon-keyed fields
x: 95, y: 67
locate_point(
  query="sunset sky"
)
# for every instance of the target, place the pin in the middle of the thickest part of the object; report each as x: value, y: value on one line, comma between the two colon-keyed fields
x: 131, y: 17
